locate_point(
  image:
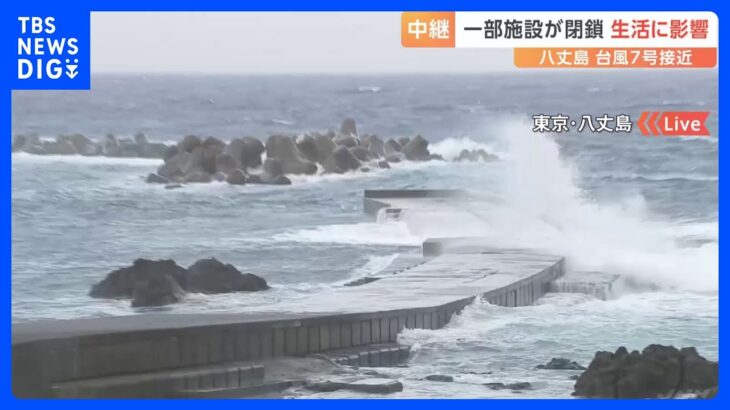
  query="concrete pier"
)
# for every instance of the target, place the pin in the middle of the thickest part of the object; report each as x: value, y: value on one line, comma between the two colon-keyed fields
x: 165, y: 355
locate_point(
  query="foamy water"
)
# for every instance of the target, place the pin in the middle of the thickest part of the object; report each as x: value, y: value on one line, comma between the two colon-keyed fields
x: 644, y: 208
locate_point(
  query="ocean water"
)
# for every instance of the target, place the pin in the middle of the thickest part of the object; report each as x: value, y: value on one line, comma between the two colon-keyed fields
x: 645, y: 208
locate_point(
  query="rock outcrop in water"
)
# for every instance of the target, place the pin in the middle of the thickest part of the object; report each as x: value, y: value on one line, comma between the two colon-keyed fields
x: 559, y: 363
x: 658, y: 371
x: 162, y: 282
x: 78, y: 144
x: 214, y: 276
x: 241, y: 161
x: 476, y: 155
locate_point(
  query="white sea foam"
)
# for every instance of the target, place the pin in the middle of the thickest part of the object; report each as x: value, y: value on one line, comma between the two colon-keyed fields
x: 537, y: 203
x: 84, y: 160
x: 394, y: 233
x: 542, y: 206
x: 450, y: 148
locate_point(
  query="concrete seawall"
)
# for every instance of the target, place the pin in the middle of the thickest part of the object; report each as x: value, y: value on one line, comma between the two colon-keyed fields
x: 157, y: 355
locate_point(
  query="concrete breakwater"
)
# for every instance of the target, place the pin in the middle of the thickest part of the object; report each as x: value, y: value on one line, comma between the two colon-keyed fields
x: 194, y: 355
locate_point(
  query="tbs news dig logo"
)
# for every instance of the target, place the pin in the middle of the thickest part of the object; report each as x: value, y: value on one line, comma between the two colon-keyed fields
x: 43, y: 53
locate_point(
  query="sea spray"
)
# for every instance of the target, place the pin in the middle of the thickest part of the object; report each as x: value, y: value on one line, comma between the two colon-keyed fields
x: 541, y: 205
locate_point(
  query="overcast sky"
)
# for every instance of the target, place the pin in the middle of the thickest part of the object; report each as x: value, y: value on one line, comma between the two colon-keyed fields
x: 271, y: 43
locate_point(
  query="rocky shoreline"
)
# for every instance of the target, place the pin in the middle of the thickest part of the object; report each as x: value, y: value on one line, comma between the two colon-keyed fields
x: 163, y: 282
x: 249, y: 160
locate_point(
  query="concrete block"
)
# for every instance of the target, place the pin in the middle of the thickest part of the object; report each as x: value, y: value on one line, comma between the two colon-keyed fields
x: 353, y: 359
x: 346, y: 335
x: 279, y: 342
x: 166, y: 353
x: 394, y: 329
x: 201, y: 350
x: 420, y: 320
x: 206, y: 380
x: 232, y: 379
x: 375, y: 330
x: 402, y: 323
x: 245, y: 375
x: 302, y: 341
x: 291, y: 341
x: 257, y: 372
x: 335, y: 336
x: 192, y: 381
x: 219, y: 379
x: 267, y: 343
x: 395, y: 355
x: 324, y: 337
x: 242, y: 345
x: 254, y: 345
x: 229, y: 347
x: 313, y: 342
x: 215, y: 348
x: 364, y: 360
x: 357, y: 333
x: 366, y: 332
x: 403, y: 352
x: 441, y: 316
x: 374, y: 358
x: 385, y: 358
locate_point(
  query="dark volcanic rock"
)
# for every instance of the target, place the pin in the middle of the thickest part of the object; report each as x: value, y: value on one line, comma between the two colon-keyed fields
x: 156, y: 179
x: 658, y: 371
x: 439, y: 378
x: 559, y: 363
x: 120, y: 284
x: 509, y: 386
x: 156, y: 289
x: 374, y: 385
x: 213, y: 276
